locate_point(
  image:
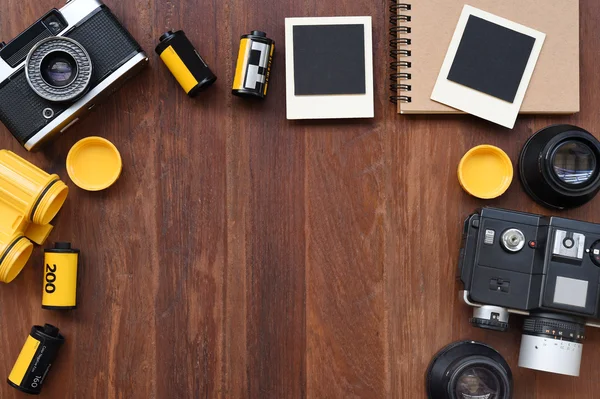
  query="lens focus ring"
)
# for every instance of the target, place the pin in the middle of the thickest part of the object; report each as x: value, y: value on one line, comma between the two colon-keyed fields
x: 565, y: 330
x: 82, y: 69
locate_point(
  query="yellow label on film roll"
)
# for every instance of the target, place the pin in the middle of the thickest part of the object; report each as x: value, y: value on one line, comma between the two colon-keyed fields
x: 178, y: 69
x: 60, y: 280
x: 24, y: 361
x: 240, y: 69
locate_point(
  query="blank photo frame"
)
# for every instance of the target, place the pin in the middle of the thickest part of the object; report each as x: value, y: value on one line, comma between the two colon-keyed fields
x: 335, y: 55
x: 488, y: 66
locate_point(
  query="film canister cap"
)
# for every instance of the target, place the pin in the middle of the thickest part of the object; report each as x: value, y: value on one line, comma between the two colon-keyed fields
x: 62, y: 247
x: 94, y: 164
x: 165, y: 36
x: 485, y: 172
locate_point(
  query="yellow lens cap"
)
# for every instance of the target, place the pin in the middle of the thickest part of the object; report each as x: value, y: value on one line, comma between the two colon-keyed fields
x: 94, y: 164
x: 485, y: 172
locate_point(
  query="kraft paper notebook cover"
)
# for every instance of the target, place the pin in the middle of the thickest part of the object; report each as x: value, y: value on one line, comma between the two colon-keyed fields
x: 423, y: 31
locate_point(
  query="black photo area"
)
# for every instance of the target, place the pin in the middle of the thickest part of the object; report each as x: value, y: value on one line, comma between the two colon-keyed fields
x: 491, y: 58
x: 329, y: 59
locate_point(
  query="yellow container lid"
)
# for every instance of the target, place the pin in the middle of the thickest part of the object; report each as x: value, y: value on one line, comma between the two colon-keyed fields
x: 94, y: 164
x: 485, y: 172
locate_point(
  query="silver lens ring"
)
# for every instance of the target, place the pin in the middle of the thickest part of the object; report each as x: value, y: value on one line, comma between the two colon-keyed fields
x: 73, y: 82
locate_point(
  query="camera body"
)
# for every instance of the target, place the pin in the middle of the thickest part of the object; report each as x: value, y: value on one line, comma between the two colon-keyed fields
x: 91, y: 31
x: 546, y: 268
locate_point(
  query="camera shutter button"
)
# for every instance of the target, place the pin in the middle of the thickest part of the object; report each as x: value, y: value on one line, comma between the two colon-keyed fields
x: 512, y: 240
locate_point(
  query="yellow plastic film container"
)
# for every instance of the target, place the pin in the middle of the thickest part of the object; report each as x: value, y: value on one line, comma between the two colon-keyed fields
x: 15, y: 248
x: 29, y: 199
x: 61, y: 265
x: 37, y: 195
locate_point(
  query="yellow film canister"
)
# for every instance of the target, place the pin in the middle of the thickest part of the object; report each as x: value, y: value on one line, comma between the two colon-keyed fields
x: 185, y: 63
x: 60, y: 277
x: 36, y: 358
x: 485, y: 172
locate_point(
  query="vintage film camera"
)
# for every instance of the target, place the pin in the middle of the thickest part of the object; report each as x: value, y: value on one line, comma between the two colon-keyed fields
x: 545, y: 268
x: 62, y: 66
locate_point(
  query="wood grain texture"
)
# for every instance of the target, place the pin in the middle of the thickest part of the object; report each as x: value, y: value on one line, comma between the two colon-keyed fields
x: 244, y: 256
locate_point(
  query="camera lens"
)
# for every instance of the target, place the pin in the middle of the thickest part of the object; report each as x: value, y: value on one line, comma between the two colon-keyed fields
x: 477, y: 382
x: 468, y: 370
x: 573, y: 162
x: 59, y: 69
x: 559, y: 166
x: 552, y: 343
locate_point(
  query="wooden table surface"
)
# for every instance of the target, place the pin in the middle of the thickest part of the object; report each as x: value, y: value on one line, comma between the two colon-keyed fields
x: 241, y: 255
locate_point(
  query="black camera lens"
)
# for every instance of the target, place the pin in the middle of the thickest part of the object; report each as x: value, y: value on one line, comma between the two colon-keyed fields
x: 573, y: 162
x: 58, y: 69
x: 477, y: 382
x: 468, y: 370
x: 559, y: 166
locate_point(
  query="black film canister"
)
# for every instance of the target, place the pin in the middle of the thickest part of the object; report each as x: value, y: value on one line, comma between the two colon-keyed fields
x: 185, y: 63
x: 253, y: 65
x: 559, y: 166
x: 36, y: 358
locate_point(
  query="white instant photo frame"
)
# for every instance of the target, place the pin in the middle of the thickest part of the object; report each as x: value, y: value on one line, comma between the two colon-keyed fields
x: 475, y: 102
x: 329, y: 106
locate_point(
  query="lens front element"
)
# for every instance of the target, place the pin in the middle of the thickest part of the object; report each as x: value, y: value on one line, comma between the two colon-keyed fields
x: 573, y: 162
x: 477, y: 383
x: 59, y: 69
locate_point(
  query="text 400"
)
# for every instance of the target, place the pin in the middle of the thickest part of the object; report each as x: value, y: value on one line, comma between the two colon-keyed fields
x: 50, y: 278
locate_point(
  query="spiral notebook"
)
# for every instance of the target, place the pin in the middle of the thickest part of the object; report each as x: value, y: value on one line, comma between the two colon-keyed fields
x: 422, y: 31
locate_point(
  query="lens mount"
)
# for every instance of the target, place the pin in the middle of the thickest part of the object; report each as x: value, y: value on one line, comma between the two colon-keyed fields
x: 468, y: 369
x: 559, y: 166
x: 58, y: 69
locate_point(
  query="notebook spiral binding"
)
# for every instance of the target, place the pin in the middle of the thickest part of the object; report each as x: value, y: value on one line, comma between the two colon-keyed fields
x: 397, y: 18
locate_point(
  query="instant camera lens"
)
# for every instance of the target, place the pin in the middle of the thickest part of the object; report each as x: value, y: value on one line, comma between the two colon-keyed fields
x: 559, y: 166
x: 59, y: 69
x: 468, y: 370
